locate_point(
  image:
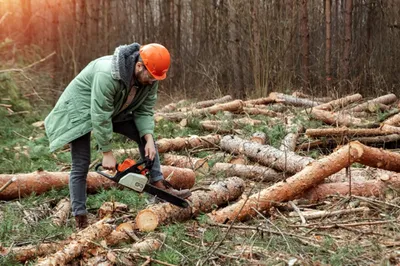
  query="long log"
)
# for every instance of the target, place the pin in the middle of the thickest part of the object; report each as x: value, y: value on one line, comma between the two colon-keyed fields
x: 180, y: 161
x: 222, y: 126
x: 61, y: 212
x: 265, y: 155
x: 330, y: 118
x: 179, y: 178
x: 179, y: 143
x: 84, y: 239
x: 393, y: 121
x: 289, y: 142
x: 208, y: 103
x: 292, y: 100
x: 201, y: 201
x: 254, y: 172
x: 344, y: 131
x: 261, y: 111
x: 310, y: 176
x: 300, y: 94
x: 339, y: 103
x: 367, y: 188
x: 259, y: 101
x: 385, y: 99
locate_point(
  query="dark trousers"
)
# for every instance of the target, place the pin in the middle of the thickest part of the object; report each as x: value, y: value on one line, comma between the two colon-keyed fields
x: 80, y: 153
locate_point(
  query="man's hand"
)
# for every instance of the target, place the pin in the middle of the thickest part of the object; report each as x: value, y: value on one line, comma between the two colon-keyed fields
x: 149, y: 149
x: 109, y: 161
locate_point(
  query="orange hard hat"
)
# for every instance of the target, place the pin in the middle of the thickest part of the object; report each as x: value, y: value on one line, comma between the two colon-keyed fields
x: 156, y: 59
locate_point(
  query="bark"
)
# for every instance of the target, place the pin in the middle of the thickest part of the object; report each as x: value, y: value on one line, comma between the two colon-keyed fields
x: 330, y: 118
x: 168, y: 108
x: 221, y: 126
x: 315, y: 214
x: 310, y: 176
x: 84, y: 240
x: 369, y: 188
x: 393, y: 121
x: 179, y: 178
x: 292, y: 100
x: 208, y: 103
x: 260, y: 111
x: 253, y: 172
x: 305, y: 43
x: 29, y: 252
x: 339, y: 103
x: 41, y: 181
x: 265, y: 155
x: 385, y: 99
x: 259, y: 101
x: 311, y: 97
x: 356, y: 175
x: 328, y: 40
x: 201, y: 202
x: 234, y: 107
x: 344, y: 131
x: 123, y: 233
x: 347, y: 38
x: 177, y: 144
x: 290, y: 141
x: 61, y: 212
x: 109, y: 208
x: 259, y: 137
x: 186, y: 162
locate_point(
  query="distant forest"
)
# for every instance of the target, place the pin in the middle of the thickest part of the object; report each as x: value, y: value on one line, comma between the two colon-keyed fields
x: 242, y: 48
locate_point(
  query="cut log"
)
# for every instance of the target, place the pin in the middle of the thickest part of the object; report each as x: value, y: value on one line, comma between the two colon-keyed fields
x: 330, y: 118
x: 289, y: 142
x: 259, y: 137
x: 259, y: 101
x: 369, y: 188
x: 266, y: 155
x: 260, y: 111
x: 299, y: 94
x: 123, y: 233
x: 385, y: 99
x: 179, y: 178
x: 41, y: 181
x: 177, y: 144
x: 310, y: 176
x: 233, y: 106
x: 292, y: 100
x: 109, y: 208
x: 84, y: 239
x: 61, y: 212
x: 253, y: 172
x: 196, y: 164
x: 228, y: 126
x: 339, y: 103
x: 30, y: 252
x: 393, y: 121
x: 356, y: 174
x: 344, y: 131
x: 201, y: 201
x: 168, y: 108
x: 208, y: 103
x: 238, y: 159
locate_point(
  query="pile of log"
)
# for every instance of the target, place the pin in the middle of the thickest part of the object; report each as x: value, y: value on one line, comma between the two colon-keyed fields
x: 259, y: 176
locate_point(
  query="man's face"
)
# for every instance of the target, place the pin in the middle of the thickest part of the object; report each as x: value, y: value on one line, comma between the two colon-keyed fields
x: 143, y: 75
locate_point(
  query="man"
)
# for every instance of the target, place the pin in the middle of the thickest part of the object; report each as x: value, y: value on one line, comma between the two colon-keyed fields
x: 112, y: 94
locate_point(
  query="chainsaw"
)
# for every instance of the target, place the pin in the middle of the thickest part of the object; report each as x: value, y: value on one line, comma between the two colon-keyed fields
x: 135, y: 176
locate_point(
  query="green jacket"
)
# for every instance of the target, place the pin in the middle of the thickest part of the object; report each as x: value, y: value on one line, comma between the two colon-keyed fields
x: 92, y: 101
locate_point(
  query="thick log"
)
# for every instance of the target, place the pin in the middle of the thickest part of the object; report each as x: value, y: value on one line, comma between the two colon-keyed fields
x: 108, y: 208
x: 168, y: 108
x: 228, y: 125
x: 177, y: 144
x: 310, y: 176
x: 292, y: 100
x: 84, y: 239
x: 289, y: 142
x: 385, y: 99
x: 208, y: 103
x: 260, y: 111
x: 179, y: 178
x: 259, y: 101
x: 369, y: 188
x: 233, y: 106
x: 393, y: 121
x: 330, y: 118
x: 344, y: 131
x: 201, y: 202
x: 61, y: 212
x: 339, y: 103
x: 42, y: 181
x: 253, y: 172
x: 300, y: 94
x: 196, y: 164
x: 265, y: 155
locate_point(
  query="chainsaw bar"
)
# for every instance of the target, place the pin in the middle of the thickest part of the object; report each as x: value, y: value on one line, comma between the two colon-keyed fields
x: 165, y: 196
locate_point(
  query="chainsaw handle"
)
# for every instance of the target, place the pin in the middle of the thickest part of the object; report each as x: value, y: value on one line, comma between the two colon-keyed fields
x: 99, y: 171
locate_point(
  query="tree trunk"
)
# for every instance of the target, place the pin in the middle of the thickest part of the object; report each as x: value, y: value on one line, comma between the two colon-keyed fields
x: 84, y: 239
x: 385, y: 99
x: 328, y: 42
x: 201, y: 201
x: 179, y: 178
x: 347, y: 38
x: 393, y: 121
x: 267, y: 155
x: 292, y: 100
x: 259, y: 101
x: 339, y: 103
x: 208, y: 103
x: 253, y: 172
x: 330, y: 118
x: 177, y: 144
x: 61, y: 212
x: 305, y: 43
x: 259, y: 111
x: 310, y: 176
x: 370, y: 188
x: 344, y: 131
x: 222, y: 126
x: 186, y: 162
x: 289, y: 143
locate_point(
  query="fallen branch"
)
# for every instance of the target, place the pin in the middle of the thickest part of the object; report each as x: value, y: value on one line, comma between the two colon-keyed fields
x: 322, y: 214
x: 61, y: 212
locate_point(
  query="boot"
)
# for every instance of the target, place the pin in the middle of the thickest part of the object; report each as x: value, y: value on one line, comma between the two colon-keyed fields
x: 81, y: 222
x: 165, y: 185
